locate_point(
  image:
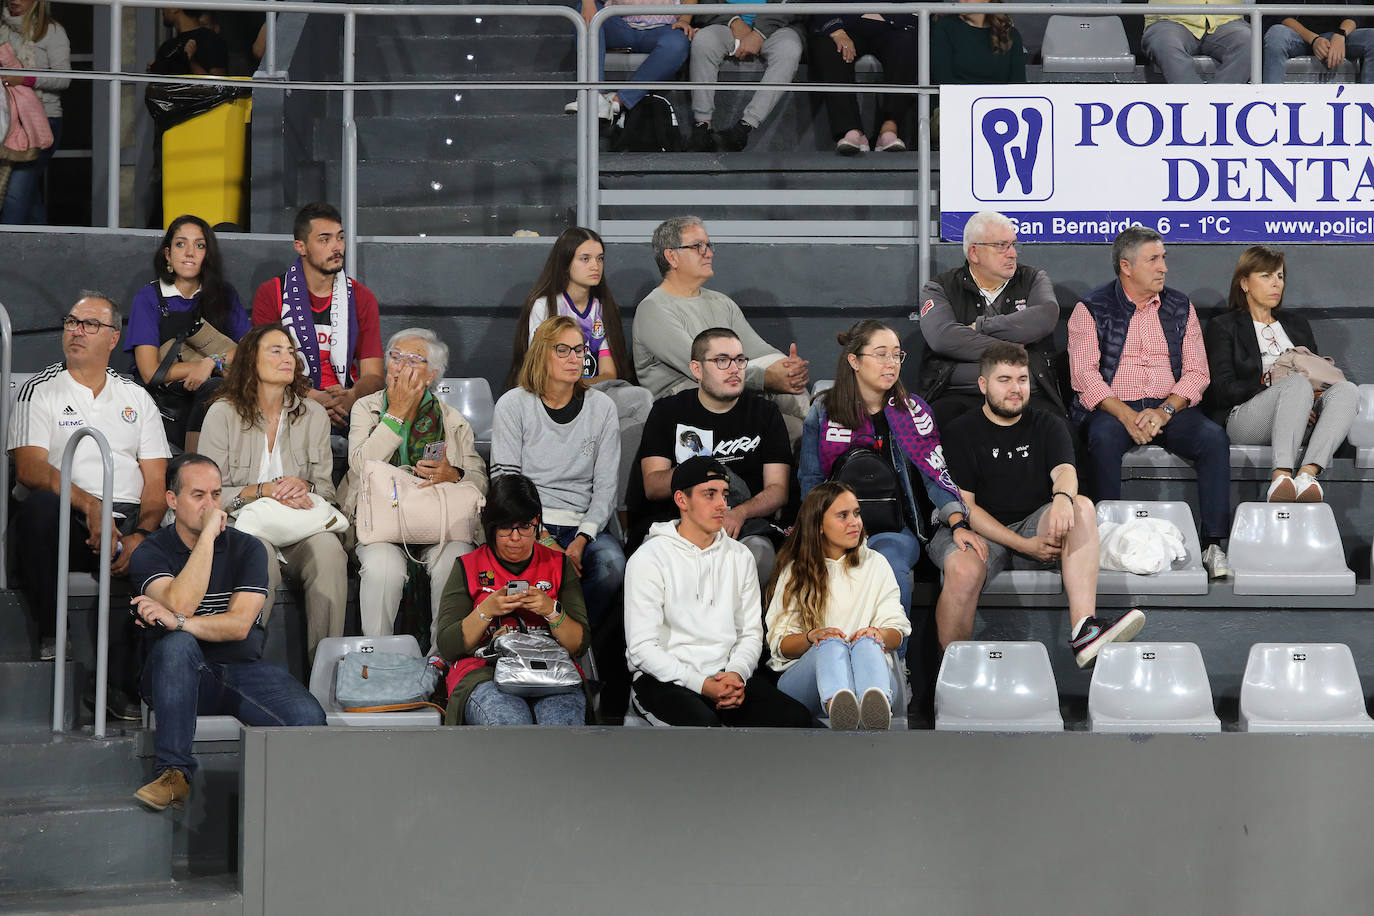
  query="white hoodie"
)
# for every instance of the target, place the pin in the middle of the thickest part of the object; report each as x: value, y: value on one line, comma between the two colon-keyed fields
x: 691, y: 613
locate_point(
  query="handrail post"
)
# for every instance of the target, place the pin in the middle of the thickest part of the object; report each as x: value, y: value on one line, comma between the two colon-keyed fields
x: 269, y: 57
x: 586, y: 121
x: 1256, y: 49
x: 112, y: 115
x: 64, y: 537
x: 6, y: 373
x: 923, y: 152
x: 350, y: 145
x: 590, y: 135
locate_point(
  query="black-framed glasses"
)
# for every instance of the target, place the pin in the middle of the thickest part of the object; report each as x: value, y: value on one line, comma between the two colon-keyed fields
x: 562, y: 350
x: 699, y: 247
x: 525, y: 530
x: 885, y: 356
x: 999, y: 247
x: 414, y: 359
x: 725, y: 362
x: 89, y: 325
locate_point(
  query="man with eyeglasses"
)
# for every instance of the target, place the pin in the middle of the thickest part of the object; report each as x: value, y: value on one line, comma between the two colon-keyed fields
x: 82, y: 391
x: 680, y: 308
x: 720, y: 420
x: 990, y: 298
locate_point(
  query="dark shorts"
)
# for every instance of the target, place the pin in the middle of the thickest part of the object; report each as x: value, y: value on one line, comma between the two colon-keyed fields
x: 999, y: 557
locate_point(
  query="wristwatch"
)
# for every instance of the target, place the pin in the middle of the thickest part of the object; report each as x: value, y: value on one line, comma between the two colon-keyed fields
x: 1167, y: 408
x: 235, y: 504
x: 962, y: 523
x: 181, y: 621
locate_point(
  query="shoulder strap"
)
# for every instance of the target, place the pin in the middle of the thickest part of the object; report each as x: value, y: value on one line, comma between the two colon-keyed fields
x: 396, y: 707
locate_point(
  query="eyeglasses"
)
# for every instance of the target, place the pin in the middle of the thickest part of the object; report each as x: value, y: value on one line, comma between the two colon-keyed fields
x: 725, y: 362
x: 89, y: 325
x: 1271, y: 340
x: 883, y: 356
x: 999, y: 247
x: 414, y: 359
x: 562, y: 350
x: 525, y: 530
x: 699, y: 247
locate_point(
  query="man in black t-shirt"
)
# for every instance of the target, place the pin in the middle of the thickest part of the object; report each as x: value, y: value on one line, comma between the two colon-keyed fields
x: 1014, y: 466
x: 194, y: 50
x: 202, y: 588
x: 743, y: 431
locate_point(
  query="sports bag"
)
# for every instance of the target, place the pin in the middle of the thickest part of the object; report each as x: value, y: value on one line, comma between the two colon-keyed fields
x: 384, y: 682
x: 649, y: 127
x: 393, y: 509
x: 875, y: 483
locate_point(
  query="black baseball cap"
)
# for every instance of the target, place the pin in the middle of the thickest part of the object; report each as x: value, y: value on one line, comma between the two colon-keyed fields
x: 698, y: 469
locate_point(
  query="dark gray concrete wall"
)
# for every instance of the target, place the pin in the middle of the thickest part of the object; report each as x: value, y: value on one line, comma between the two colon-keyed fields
x: 611, y: 821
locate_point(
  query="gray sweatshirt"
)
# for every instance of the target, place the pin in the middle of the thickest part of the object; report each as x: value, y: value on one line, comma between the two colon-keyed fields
x: 574, y: 465
x: 665, y: 326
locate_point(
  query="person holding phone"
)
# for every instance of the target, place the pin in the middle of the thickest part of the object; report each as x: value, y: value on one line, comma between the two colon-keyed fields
x: 406, y: 425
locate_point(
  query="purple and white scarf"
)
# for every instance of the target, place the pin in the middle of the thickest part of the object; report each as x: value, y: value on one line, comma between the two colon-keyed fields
x: 298, y: 319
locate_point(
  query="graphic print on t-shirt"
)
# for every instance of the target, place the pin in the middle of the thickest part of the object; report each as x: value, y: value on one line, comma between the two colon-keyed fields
x: 692, y: 441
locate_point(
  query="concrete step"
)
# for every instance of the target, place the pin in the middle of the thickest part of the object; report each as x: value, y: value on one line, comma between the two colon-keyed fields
x: 394, y: 30
x: 549, y: 219
x: 485, y: 182
x: 802, y: 165
x: 439, y: 54
x: 26, y: 692
x: 436, y: 139
x: 216, y: 895
x: 39, y: 765
x: 98, y: 842
x: 424, y: 103
x: 18, y: 636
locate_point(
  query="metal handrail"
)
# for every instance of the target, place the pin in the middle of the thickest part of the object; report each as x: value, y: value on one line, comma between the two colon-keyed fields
x: 64, y: 536
x: 6, y: 372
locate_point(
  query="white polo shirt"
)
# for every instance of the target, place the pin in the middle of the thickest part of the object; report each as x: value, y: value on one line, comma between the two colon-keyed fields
x: 52, y: 406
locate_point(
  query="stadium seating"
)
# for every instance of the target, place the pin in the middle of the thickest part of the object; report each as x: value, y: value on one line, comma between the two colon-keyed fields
x: 472, y: 398
x: 1288, y: 549
x: 1362, y: 430
x: 1302, y: 688
x: 1151, y: 687
x: 208, y: 728
x: 997, y: 687
x: 1086, y: 49
x: 1188, y: 577
x: 327, y: 656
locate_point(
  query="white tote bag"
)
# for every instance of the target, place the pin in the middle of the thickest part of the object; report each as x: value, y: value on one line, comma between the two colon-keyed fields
x: 394, y: 509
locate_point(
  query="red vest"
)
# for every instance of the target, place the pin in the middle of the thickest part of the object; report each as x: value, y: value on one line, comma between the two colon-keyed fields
x: 486, y: 575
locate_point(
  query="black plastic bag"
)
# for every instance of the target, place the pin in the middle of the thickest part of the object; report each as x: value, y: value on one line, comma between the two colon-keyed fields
x: 172, y: 103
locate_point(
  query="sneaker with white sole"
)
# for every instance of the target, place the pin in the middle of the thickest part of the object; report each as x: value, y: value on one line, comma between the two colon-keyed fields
x: 1309, y: 491
x: 1096, y: 632
x: 851, y: 143
x: 889, y: 142
x: 606, y: 107
x: 1214, y: 558
x: 843, y: 711
x: 875, y: 712
x: 1282, y: 490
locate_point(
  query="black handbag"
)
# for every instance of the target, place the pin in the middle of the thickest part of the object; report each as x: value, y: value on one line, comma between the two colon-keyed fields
x: 875, y: 483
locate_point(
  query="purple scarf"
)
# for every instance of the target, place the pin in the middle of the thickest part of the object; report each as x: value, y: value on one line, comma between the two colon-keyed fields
x: 297, y: 316
x: 913, y: 431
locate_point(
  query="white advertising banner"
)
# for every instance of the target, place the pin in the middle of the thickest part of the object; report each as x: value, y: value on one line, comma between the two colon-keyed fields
x: 1076, y: 162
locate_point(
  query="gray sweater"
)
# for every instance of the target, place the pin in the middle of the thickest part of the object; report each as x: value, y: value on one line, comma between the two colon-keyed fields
x: 574, y: 465
x: 665, y: 326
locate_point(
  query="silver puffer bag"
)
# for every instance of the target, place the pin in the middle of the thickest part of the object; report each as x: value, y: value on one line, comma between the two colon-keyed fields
x: 533, y: 665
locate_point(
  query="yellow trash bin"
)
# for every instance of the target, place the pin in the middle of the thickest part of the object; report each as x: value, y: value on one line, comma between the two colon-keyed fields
x: 203, y: 163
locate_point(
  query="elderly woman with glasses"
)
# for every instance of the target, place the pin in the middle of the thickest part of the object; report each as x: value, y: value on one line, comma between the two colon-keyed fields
x: 565, y: 437
x: 406, y: 425
x: 1242, y: 345
x: 511, y: 582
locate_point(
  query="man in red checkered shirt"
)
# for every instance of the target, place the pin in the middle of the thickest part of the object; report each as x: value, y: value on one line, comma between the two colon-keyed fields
x: 1138, y: 368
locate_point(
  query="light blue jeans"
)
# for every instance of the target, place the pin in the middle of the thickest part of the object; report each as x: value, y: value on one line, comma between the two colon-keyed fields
x: 488, y: 705
x: 1281, y: 43
x: 901, y: 550
x: 833, y: 665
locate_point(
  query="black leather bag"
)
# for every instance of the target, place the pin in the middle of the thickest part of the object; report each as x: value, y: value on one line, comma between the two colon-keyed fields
x: 875, y: 483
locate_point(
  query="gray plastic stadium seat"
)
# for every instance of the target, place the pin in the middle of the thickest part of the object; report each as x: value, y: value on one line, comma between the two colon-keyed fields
x: 1188, y: 577
x: 1086, y: 44
x: 1308, y: 69
x: 208, y: 728
x: 472, y: 398
x: 1362, y: 430
x: 1025, y: 582
x: 820, y: 385
x: 1205, y: 67
x: 327, y: 656
x: 1302, y: 688
x: 997, y: 687
x: 1259, y: 457
x: 17, y: 379
x: 1152, y: 456
x: 1151, y: 687
x: 1288, y: 549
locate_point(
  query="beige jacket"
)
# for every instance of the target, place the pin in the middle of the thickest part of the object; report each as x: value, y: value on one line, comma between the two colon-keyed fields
x: 238, y: 451
x: 369, y: 440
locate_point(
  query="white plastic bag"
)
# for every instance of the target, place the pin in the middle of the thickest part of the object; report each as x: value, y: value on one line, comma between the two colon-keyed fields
x: 1144, y: 546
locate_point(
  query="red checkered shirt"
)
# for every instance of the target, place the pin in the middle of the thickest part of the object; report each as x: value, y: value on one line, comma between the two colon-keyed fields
x: 1144, y: 370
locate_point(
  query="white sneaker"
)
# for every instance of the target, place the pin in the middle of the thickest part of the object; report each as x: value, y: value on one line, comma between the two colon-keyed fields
x: 843, y: 711
x: 1309, y: 491
x: 875, y: 712
x: 607, y: 107
x: 1214, y: 558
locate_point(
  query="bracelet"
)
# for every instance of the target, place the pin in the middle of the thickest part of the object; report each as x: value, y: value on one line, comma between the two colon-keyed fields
x: 480, y: 614
x: 1339, y: 32
x: 962, y: 523
x: 259, y: 496
x: 1061, y: 493
x: 808, y: 636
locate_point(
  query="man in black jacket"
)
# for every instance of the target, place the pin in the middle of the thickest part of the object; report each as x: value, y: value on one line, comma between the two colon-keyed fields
x: 990, y: 298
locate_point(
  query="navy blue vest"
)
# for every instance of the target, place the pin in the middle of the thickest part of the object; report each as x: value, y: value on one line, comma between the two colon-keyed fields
x: 1112, y: 312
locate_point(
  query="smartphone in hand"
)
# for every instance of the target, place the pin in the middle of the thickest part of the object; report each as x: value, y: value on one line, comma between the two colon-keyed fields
x: 517, y: 587
x: 435, y: 451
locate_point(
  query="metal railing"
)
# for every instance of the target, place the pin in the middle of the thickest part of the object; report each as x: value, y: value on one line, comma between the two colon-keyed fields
x: 64, y: 537
x: 6, y: 372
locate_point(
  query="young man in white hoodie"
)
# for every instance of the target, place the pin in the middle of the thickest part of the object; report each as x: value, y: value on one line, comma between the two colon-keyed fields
x: 693, y: 625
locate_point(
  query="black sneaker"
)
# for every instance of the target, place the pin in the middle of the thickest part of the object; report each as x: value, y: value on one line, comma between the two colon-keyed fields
x: 117, y: 703
x: 701, y: 140
x: 1096, y: 632
x: 733, y: 139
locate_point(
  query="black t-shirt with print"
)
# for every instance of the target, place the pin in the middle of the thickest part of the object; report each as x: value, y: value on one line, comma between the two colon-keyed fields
x: 1007, y: 468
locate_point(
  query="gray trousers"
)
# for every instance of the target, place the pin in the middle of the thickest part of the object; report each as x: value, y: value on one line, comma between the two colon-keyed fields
x: 1278, y: 415
x: 781, y: 52
x: 1172, y: 47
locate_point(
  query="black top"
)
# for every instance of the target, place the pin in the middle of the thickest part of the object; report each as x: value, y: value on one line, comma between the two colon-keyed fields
x: 239, y: 565
x: 1007, y: 468
x: 212, y: 52
x: 1233, y: 356
x: 568, y: 412
x: 1319, y: 24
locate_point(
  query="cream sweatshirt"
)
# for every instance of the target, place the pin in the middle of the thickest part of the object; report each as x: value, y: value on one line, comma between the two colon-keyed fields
x: 864, y: 596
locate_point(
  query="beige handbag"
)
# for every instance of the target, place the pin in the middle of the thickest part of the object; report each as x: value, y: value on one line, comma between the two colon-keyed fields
x: 206, y: 341
x: 393, y: 509
x: 1321, y: 371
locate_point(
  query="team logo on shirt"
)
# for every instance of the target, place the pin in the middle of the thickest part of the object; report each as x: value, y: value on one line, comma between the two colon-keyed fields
x: 486, y: 579
x: 69, y: 417
x: 544, y: 585
x: 598, y: 329
x: 129, y: 415
x: 927, y: 306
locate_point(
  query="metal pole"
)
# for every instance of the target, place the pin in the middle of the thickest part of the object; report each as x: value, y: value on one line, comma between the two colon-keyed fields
x: 350, y: 147
x: 269, y: 57
x: 923, y: 151
x: 112, y: 115
x: 1256, y: 50
x: 591, y: 56
x: 64, y: 537
x: 586, y: 127
x: 6, y: 373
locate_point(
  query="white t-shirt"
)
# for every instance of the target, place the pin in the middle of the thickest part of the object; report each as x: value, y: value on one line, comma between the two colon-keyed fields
x: 52, y: 406
x: 1272, y: 342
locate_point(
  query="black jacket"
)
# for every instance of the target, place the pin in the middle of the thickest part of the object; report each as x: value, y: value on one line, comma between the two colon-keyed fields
x: 1233, y: 356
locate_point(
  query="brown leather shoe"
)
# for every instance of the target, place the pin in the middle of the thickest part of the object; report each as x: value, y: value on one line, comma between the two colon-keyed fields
x: 169, y: 789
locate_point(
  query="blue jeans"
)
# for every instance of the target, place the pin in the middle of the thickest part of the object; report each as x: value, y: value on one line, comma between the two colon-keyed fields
x: 833, y: 665
x: 24, y: 203
x: 1191, y: 435
x: 901, y: 549
x: 603, y: 570
x: 666, y: 46
x: 487, y: 705
x: 180, y: 684
x: 1282, y: 43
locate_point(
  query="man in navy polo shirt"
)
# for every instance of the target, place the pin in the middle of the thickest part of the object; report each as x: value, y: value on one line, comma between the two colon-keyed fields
x: 203, y: 587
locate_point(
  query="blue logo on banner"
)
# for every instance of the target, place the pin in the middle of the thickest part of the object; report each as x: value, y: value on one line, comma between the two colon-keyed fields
x: 1013, y: 149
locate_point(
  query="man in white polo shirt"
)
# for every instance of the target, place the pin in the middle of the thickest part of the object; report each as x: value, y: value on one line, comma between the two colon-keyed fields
x: 83, y: 391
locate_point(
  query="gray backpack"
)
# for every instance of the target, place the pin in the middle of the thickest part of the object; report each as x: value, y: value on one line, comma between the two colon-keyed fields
x: 385, y: 682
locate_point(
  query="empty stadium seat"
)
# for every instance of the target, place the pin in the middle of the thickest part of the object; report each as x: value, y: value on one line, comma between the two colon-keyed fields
x: 327, y: 656
x: 1076, y: 46
x: 997, y: 687
x: 1288, y: 549
x: 1362, y: 430
x: 472, y: 398
x: 1188, y: 577
x: 820, y: 385
x: 17, y: 379
x: 1308, y: 69
x: 1151, y: 687
x: 1302, y: 688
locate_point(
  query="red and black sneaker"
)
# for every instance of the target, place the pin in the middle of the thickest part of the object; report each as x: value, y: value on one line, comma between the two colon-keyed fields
x: 1097, y: 632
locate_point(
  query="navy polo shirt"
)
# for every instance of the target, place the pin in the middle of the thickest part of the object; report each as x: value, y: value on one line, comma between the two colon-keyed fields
x: 239, y: 565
